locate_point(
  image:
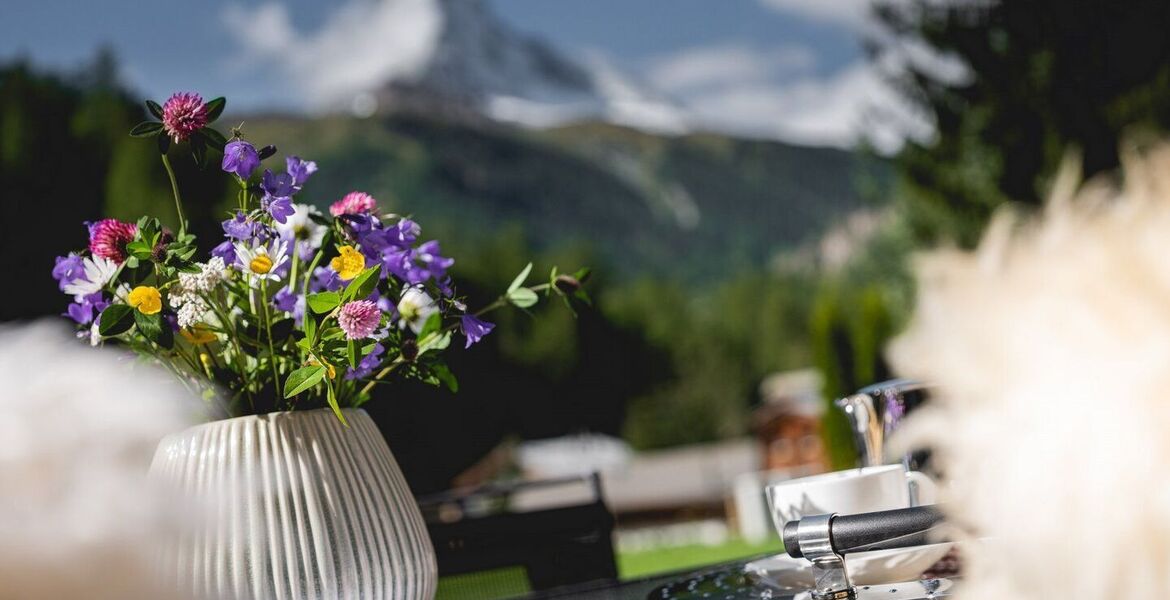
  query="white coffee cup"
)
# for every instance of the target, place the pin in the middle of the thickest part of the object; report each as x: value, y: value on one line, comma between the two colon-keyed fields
x: 869, y: 489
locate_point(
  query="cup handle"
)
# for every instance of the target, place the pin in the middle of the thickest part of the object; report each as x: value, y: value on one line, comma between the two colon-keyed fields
x: 923, y: 489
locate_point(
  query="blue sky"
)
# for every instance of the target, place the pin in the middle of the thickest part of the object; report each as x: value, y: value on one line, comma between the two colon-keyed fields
x: 777, y: 68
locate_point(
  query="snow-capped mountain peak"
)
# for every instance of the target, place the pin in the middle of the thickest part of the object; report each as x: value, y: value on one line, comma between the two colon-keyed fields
x: 479, y: 65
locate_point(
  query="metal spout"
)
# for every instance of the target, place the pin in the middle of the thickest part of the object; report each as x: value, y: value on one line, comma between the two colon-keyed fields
x: 876, y: 411
x: 866, y: 427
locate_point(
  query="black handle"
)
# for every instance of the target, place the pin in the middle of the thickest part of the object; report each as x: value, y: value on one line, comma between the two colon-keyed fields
x: 874, y: 531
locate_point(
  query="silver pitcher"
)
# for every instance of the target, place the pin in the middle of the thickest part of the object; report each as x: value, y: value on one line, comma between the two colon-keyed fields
x: 876, y: 411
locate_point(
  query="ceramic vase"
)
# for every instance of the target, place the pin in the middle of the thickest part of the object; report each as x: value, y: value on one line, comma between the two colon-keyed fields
x: 295, y: 506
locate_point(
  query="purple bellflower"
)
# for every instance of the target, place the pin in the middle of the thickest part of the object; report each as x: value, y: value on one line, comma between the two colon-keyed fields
x: 240, y: 157
x: 474, y: 328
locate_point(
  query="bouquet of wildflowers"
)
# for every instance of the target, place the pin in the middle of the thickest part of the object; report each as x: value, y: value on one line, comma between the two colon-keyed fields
x: 294, y: 308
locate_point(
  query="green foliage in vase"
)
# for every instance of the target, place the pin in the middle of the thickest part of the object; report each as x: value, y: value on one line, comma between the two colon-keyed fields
x: 293, y: 309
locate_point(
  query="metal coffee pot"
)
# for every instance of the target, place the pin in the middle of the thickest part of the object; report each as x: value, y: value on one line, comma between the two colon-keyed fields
x: 875, y: 412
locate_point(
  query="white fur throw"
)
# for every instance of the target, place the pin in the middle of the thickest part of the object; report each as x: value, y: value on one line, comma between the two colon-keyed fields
x: 1051, y: 347
x: 78, y: 427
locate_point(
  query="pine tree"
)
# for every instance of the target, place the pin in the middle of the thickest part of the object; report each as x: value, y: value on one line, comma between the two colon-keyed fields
x: 1043, y: 77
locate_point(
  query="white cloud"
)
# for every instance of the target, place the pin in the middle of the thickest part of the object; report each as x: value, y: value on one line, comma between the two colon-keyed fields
x: 850, y: 13
x: 777, y: 94
x: 719, y: 65
x: 837, y: 110
x: 360, y: 46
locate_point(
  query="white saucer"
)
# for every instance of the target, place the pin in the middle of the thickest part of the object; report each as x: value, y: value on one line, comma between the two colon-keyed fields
x: 865, y: 568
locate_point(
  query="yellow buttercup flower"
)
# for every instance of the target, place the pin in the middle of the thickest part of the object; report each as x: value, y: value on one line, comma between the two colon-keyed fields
x: 349, y: 264
x: 146, y: 299
x: 198, y: 334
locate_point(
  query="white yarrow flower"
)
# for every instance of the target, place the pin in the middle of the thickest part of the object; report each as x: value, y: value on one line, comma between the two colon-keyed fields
x: 210, y: 275
x: 191, y: 314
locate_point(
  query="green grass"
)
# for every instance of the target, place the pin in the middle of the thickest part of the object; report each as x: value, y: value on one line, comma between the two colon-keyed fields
x: 512, y: 581
x: 496, y: 583
x: 664, y: 560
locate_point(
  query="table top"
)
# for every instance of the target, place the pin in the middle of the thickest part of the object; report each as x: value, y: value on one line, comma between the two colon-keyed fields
x: 726, y: 581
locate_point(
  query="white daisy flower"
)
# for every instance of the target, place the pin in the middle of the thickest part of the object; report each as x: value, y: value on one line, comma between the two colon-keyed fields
x: 305, y: 233
x: 98, y: 271
x: 415, y: 308
x: 261, y: 261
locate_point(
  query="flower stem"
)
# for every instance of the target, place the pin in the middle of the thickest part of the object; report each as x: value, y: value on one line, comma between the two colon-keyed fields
x: 502, y: 301
x: 309, y: 271
x: 384, y: 372
x: 292, y: 275
x: 234, y: 337
x: 178, y: 199
x: 268, y: 334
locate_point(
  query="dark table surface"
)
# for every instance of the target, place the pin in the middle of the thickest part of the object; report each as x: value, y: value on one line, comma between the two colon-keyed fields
x: 726, y: 581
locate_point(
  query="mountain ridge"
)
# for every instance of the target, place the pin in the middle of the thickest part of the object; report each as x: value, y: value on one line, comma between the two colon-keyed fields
x: 481, y: 67
x: 693, y: 207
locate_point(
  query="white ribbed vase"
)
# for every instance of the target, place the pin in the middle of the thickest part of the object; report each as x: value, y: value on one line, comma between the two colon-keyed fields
x: 301, y: 508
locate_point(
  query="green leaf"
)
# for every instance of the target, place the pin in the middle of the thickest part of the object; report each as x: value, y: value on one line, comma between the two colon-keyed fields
x: 214, y: 108
x: 323, y: 302
x: 309, y: 324
x: 140, y: 249
x: 186, y: 254
x: 332, y: 398
x: 583, y: 297
x: 115, y: 319
x: 434, y: 322
x: 152, y: 328
x: 519, y: 281
x: 146, y: 129
x: 446, y: 376
x: 523, y: 297
x: 154, y: 109
x: 435, y: 341
x: 164, y: 142
x: 303, y: 379
x: 215, y: 139
x: 363, y: 284
x: 353, y: 352
x: 134, y: 276
x: 582, y: 274
x: 199, y: 149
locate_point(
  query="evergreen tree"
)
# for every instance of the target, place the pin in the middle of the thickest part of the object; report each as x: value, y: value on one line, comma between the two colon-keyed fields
x: 1044, y: 77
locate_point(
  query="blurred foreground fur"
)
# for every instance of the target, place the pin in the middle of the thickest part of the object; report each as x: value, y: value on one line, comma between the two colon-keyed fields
x: 78, y: 427
x: 1051, y: 347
